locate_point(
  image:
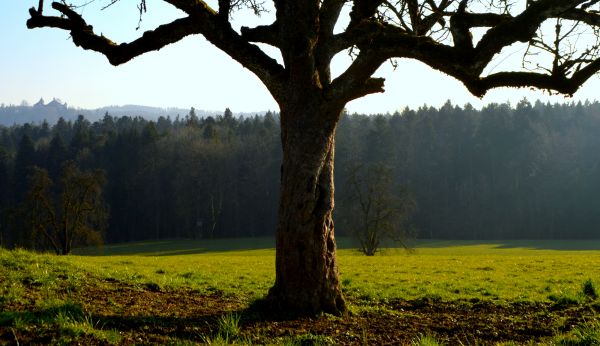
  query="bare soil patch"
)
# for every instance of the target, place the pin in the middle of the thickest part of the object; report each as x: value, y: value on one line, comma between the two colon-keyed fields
x: 149, y: 315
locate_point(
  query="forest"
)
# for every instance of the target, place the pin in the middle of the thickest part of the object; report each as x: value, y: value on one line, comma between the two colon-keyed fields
x: 528, y: 171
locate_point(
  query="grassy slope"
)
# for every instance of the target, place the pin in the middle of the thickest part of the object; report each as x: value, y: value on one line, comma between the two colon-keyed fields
x: 499, y: 272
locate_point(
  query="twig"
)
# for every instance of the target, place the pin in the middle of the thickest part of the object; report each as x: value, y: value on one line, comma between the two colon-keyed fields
x: 12, y: 330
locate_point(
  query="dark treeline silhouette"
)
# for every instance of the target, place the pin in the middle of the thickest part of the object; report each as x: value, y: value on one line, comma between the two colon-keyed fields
x: 532, y: 171
x: 529, y: 171
x: 188, y: 177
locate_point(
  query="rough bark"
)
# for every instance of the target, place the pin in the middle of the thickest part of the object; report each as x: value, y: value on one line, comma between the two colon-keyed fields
x: 307, y: 279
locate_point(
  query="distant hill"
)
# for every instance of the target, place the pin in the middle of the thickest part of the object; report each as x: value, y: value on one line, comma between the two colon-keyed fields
x: 40, y: 111
x: 147, y: 112
x: 53, y: 110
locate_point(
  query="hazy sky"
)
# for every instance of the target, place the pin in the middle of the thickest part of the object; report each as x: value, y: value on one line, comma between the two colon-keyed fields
x: 45, y: 63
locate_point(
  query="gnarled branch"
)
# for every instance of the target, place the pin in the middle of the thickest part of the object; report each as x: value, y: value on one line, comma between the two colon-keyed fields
x: 201, y: 20
x: 83, y: 34
x: 264, y: 34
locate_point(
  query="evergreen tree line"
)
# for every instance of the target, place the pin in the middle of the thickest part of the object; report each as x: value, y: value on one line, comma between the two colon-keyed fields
x: 181, y: 178
x: 529, y: 171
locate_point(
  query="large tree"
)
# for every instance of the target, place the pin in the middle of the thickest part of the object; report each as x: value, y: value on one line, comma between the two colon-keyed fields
x: 458, y: 37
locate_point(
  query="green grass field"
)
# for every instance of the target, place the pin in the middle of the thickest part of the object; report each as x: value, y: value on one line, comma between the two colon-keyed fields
x: 503, y: 271
x: 546, y: 275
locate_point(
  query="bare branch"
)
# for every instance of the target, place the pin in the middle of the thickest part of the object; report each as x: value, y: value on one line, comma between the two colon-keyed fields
x: 592, y: 19
x: 84, y: 36
x: 378, y: 42
x: 224, y: 9
x: 201, y: 20
x: 383, y: 43
x: 519, y: 29
x: 264, y: 34
x: 379, y: 30
x: 330, y: 13
x: 357, y: 81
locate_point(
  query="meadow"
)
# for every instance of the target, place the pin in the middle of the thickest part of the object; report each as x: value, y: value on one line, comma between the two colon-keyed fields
x: 208, y: 292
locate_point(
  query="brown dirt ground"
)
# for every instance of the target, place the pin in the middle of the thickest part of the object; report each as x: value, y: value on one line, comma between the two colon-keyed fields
x: 147, y: 315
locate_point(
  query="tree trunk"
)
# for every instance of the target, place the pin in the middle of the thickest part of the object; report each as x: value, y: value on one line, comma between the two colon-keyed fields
x: 307, y: 280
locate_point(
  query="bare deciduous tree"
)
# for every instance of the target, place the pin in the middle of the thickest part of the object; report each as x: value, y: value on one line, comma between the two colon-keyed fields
x: 73, y: 215
x: 378, y: 208
x: 461, y: 38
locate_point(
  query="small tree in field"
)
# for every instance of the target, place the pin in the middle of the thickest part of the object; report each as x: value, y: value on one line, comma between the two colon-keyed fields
x: 379, y: 210
x: 462, y: 38
x: 75, y: 214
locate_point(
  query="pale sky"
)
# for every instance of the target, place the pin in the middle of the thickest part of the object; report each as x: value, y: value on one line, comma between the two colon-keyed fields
x: 45, y: 63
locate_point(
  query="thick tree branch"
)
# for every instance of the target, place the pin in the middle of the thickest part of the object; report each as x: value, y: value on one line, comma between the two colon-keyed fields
x: 193, y: 7
x: 414, y: 14
x: 330, y: 13
x: 298, y: 23
x: 478, y: 86
x: 478, y: 20
x: 363, y: 9
x: 383, y: 43
x: 224, y: 9
x: 462, y: 22
x: 581, y: 76
x: 460, y: 29
x: 437, y: 15
x: 359, y: 34
x: 303, y: 32
x: 592, y: 19
x: 201, y: 20
x: 270, y: 72
x: 83, y: 34
x: 378, y: 42
x: 268, y: 34
x: 521, y: 79
x: 521, y: 28
x: 356, y: 81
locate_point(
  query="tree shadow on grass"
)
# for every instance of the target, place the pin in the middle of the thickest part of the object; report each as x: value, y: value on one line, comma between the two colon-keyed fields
x: 532, y: 244
x: 70, y: 324
x: 256, y: 324
x: 564, y: 245
x: 175, y: 247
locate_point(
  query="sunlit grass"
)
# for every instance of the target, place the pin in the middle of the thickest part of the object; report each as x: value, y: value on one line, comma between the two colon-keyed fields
x: 507, y: 271
x: 246, y: 274
x: 484, y: 271
x: 556, y: 273
x: 441, y: 270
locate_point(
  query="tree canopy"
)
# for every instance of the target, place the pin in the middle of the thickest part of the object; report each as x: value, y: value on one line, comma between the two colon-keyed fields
x: 459, y: 38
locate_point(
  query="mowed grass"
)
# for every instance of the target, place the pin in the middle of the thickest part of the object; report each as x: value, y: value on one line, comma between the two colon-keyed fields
x: 533, y: 271
x: 507, y: 271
